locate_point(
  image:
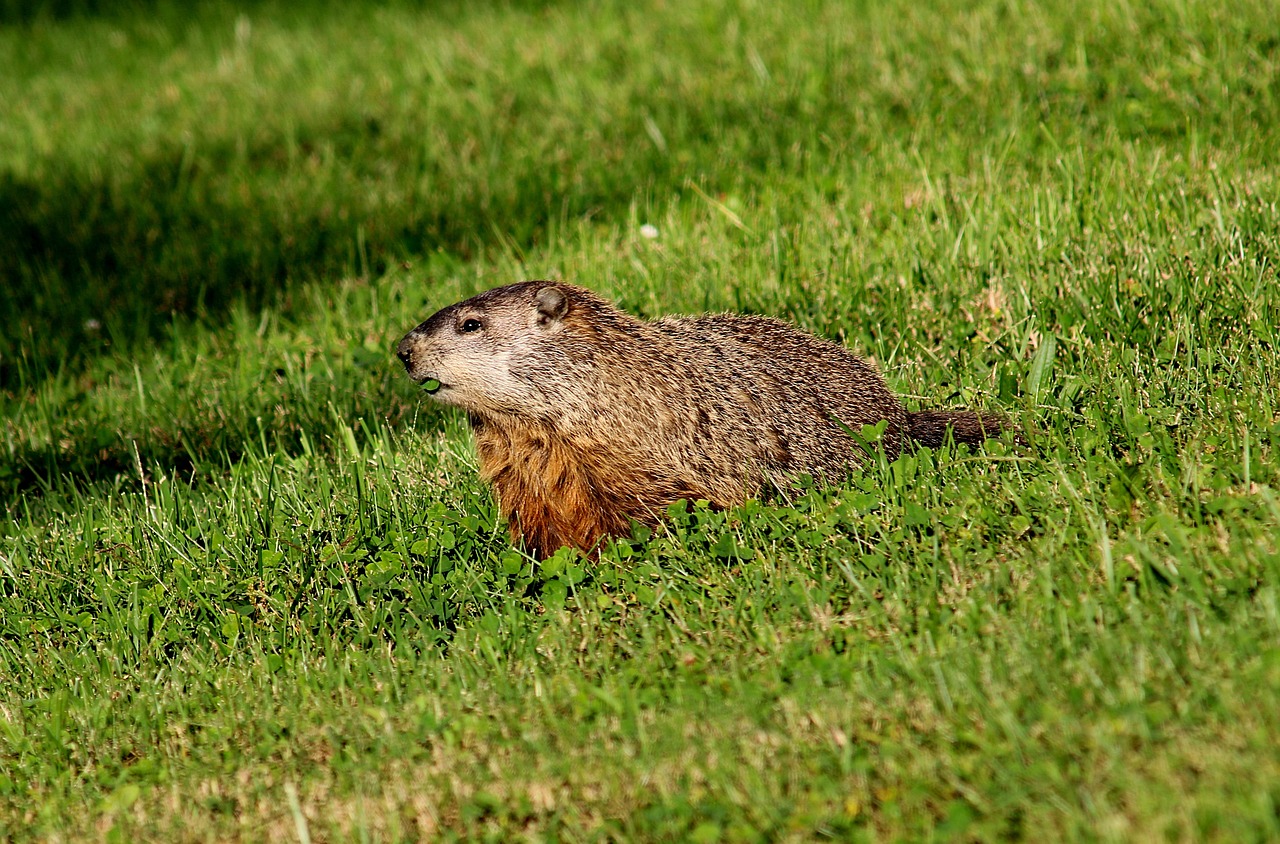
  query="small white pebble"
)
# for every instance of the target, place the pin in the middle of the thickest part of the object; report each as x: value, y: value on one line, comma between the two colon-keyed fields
x: 648, y: 231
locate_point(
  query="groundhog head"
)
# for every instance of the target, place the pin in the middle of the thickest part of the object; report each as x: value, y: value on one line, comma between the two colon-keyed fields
x: 496, y: 352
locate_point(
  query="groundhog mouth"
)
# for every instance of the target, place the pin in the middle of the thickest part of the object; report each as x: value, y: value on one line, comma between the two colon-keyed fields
x: 426, y: 380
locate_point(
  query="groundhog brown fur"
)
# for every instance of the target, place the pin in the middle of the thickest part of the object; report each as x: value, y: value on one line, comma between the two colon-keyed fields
x: 586, y: 418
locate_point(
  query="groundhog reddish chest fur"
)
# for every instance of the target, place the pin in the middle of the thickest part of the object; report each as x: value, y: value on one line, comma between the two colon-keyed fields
x: 586, y: 417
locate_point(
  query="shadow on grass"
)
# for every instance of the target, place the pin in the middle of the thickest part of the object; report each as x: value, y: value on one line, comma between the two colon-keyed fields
x: 27, y: 12
x: 98, y: 258
x: 186, y: 435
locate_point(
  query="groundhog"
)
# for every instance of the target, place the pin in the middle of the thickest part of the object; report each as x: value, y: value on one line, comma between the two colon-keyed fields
x: 587, y: 418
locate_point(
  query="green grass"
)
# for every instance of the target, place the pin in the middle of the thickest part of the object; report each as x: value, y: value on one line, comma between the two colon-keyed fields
x: 251, y: 587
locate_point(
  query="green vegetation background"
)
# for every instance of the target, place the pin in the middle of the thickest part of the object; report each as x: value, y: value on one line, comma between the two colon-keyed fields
x: 251, y: 588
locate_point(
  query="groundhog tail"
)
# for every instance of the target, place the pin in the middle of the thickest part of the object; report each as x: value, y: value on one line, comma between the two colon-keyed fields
x: 929, y: 427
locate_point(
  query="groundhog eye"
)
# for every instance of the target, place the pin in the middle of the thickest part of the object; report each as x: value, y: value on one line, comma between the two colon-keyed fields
x: 471, y: 325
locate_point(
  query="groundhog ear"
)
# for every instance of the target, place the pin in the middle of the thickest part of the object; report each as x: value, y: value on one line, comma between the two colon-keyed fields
x: 552, y: 305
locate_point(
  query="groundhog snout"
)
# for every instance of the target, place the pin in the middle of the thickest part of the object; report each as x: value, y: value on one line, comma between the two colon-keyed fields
x: 404, y: 351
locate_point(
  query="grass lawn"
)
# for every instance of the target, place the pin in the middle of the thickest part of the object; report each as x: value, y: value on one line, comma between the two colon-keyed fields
x: 251, y: 587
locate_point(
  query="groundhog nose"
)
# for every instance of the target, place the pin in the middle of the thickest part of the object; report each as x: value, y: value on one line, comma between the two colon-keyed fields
x: 405, y: 352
